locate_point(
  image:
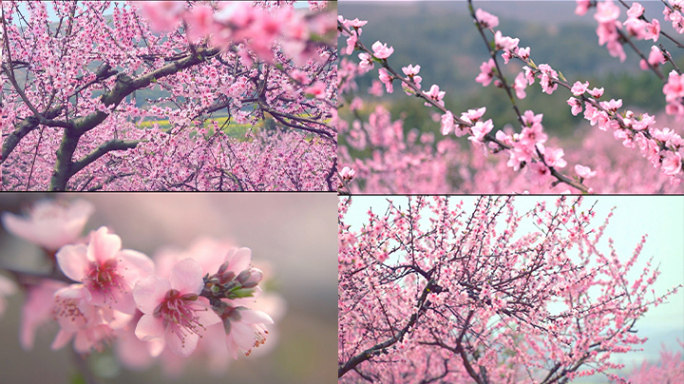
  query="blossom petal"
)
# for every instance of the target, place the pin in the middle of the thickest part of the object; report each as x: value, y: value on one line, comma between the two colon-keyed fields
x: 251, y: 316
x: 183, y: 347
x: 149, y: 327
x: 103, y: 245
x: 239, y: 259
x: 205, y: 314
x: 61, y: 339
x: 149, y: 293
x: 73, y: 261
x: 186, y: 276
x: 134, y: 265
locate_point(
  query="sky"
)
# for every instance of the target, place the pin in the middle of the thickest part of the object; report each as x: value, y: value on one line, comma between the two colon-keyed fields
x: 661, y: 217
x: 51, y: 12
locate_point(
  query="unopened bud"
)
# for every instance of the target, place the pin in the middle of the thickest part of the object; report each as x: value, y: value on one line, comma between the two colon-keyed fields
x: 253, y: 279
x: 243, y: 276
x: 228, y: 276
x: 222, y: 268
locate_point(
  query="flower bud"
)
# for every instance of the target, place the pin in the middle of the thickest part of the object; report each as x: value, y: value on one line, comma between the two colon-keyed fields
x: 250, y: 279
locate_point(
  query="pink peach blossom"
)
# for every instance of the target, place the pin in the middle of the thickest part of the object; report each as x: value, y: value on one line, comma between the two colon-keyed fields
x: 381, y: 51
x: 108, y: 272
x: 90, y: 326
x: 50, y: 223
x: 172, y: 309
x: 486, y: 19
x: 584, y: 172
x: 245, y: 329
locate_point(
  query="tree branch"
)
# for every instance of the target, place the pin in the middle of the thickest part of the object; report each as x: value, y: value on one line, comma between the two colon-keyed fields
x: 111, y: 145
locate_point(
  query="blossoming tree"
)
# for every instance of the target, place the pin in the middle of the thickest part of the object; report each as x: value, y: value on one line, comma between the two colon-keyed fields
x: 73, y: 118
x: 523, y: 149
x: 435, y: 292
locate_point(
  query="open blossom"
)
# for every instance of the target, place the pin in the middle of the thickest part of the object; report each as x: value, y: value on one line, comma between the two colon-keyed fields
x: 245, y: 329
x: 584, y: 172
x: 505, y: 42
x: 538, y: 173
x: 519, y: 85
x: 606, y: 12
x: 486, y: 72
x: 578, y: 88
x: 347, y: 173
x: 554, y: 157
x: 548, y: 75
x: 447, y: 123
x: 655, y: 58
x: 672, y: 163
x: 173, y: 310
x: 381, y: 51
x: 200, y: 21
x: 386, y: 79
x: 596, y: 92
x: 582, y: 7
x: 480, y: 130
x: 164, y: 16
x: 90, y: 326
x: 411, y: 70
x: 365, y: 63
x: 50, y: 224
x: 576, y: 106
x: 37, y: 310
x: 436, y: 95
x: 108, y: 272
x: 486, y: 19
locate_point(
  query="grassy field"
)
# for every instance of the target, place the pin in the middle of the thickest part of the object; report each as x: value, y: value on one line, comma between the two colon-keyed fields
x: 232, y: 129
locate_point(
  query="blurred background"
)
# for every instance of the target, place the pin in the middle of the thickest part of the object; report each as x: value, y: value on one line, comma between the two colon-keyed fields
x: 292, y: 236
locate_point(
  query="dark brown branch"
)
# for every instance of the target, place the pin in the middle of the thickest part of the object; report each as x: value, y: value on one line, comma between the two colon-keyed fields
x: 111, y: 145
x: 370, y: 352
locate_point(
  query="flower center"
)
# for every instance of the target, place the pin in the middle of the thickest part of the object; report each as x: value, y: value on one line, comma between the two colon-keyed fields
x: 178, y: 312
x: 68, y: 309
x: 104, y: 277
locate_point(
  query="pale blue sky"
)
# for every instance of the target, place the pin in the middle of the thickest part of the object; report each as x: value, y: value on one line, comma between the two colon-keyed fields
x: 51, y: 13
x: 661, y: 217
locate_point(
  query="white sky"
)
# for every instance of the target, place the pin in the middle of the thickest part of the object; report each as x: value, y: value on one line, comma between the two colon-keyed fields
x: 661, y: 217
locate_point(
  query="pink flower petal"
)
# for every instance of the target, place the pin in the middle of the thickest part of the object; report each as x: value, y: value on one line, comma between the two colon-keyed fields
x: 149, y: 293
x: 253, y: 317
x: 183, y: 347
x: 103, y: 245
x: 186, y: 276
x: 239, y: 259
x: 134, y: 265
x: 149, y: 327
x: 61, y: 339
x: 73, y: 261
x: 206, y: 316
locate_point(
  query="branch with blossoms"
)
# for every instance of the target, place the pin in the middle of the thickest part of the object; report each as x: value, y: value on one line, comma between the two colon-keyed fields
x: 433, y: 289
x: 101, y: 295
x: 469, y: 123
x: 662, y: 147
